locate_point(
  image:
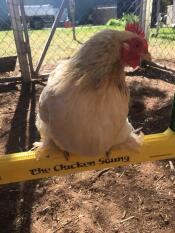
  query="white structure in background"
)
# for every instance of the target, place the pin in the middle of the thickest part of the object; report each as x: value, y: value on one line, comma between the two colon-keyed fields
x: 39, y: 16
x: 171, y: 15
x: 37, y: 10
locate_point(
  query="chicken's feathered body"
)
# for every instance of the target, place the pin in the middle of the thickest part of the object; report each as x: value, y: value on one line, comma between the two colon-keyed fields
x: 84, y: 107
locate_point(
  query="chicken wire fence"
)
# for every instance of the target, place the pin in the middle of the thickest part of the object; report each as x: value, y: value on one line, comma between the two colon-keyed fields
x: 7, y: 43
x: 78, y: 21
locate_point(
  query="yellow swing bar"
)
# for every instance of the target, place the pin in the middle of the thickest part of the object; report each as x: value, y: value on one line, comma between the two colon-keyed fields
x: 24, y: 166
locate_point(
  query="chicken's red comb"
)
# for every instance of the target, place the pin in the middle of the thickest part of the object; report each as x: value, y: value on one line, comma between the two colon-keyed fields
x: 134, y: 27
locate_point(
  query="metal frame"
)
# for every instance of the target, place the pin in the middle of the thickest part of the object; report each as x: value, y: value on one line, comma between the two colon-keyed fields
x: 18, y: 79
x: 72, y: 13
x: 19, y: 25
x: 27, y: 42
x: 54, y: 26
x: 20, y: 31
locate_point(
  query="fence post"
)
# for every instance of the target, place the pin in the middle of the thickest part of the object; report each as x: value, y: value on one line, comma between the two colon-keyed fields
x: 26, y: 36
x: 158, y: 18
x: 173, y: 19
x: 145, y: 15
x: 19, y: 39
x: 72, y: 13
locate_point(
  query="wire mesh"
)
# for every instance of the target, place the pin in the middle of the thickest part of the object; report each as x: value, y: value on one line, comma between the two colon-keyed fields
x: 89, y: 17
x: 7, y: 43
x: 162, y: 31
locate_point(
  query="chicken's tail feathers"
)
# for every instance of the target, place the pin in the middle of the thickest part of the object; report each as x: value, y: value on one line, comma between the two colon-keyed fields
x: 129, y: 138
x: 43, y: 130
x: 36, y: 145
x: 134, y: 141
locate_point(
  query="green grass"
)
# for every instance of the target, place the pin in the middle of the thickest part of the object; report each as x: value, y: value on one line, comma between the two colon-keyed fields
x: 7, y: 44
x: 165, y: 33
x: 63, y: 45
x: 163, y: 46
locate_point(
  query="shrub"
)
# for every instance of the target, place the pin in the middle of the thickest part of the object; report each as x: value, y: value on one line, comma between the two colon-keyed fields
x: 130, y: 18
x: 115, y: 22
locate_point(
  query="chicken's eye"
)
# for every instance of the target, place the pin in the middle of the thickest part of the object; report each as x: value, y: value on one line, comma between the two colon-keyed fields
x: 137, y: 45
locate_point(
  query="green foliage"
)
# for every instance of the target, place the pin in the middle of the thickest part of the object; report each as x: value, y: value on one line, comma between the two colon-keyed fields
x: 130, y: 18
x: 127, y: 18
x: 115, y: 22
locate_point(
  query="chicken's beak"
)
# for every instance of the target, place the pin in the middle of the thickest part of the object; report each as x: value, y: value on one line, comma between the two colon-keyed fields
x: 146, y: 56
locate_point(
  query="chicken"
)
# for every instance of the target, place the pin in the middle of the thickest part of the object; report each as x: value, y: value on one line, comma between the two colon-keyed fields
x: 84, y: 107
x: 146, y: 57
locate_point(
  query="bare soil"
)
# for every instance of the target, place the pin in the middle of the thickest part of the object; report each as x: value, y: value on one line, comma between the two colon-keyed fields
x: 134, y: 199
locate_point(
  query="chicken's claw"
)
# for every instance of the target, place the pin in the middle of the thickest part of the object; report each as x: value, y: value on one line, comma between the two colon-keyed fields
x: 66, y: 155
x: 46, y: 150
x: 107, y: 154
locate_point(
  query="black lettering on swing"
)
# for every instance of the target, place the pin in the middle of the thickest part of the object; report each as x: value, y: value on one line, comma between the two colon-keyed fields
x: 37, y: 171
x: 62, y: 167
x: 114, y: 160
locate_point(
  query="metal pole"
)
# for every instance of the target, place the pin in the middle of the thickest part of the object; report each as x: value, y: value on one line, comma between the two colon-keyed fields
x: 142, y: 13
x: 158, y: 18
x: 19, y: 39
x: 158, y: 9
x: 54, y: 26
x: 173, y: 19
x: 149, y: 16
x: 27, y: 42
x: 145, y: 15
x: 72, y: 12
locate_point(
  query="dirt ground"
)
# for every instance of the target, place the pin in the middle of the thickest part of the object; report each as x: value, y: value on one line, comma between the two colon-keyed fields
x: 134, y: 199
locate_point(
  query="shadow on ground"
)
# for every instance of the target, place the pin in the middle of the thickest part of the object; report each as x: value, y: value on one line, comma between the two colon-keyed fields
x: 154, y: 120
x: 154, y: 73
x: 17, y: 198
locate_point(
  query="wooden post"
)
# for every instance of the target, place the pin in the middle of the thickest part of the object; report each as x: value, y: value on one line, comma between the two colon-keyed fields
x: 19, y: 39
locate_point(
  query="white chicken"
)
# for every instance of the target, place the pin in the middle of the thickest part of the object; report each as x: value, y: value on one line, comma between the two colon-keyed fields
x: 84, y: 107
